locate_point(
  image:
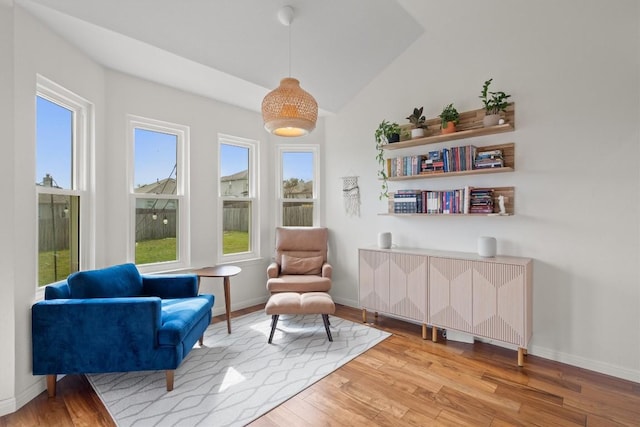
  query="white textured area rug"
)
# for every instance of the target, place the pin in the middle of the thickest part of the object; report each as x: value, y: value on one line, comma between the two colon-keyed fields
x: 235, y: 378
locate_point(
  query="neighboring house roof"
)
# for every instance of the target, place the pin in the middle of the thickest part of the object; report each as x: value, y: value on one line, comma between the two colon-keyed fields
x: 242, y: 175
x: 163, y: 186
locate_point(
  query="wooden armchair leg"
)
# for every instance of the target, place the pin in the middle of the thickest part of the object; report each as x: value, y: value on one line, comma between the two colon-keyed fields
x: 170, y: 374
x: 51, y: 385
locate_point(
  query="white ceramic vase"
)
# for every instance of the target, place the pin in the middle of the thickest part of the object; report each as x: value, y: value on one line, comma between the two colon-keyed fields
x: 384, y: 240
x: 487, y: 246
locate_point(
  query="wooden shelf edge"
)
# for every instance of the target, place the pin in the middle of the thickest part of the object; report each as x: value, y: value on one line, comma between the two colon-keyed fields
x: 450, y: 174
x: 507, y: 127
x: 425, y: 214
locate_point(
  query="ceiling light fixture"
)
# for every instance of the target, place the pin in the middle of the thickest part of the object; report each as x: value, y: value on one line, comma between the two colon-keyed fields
x: 289, y: 110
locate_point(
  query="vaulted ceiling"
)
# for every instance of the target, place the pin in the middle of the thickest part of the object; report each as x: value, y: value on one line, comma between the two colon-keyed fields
x: 236, y: 51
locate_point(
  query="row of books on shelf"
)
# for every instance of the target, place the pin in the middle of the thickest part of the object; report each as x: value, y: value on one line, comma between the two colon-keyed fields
x: 467, y: 200
x: 455, y: 159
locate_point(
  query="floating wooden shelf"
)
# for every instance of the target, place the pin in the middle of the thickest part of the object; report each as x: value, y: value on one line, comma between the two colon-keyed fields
x: 508, y: 155
x: 470, y: 125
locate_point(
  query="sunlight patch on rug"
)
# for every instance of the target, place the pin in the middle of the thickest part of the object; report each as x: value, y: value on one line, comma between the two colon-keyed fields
x: 235, y: 378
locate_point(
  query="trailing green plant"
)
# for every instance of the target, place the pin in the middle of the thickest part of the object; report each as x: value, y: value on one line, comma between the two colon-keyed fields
x: 494, y: 102
x: 417, y: 119
x: 449, y: 114
x: 383, y: 134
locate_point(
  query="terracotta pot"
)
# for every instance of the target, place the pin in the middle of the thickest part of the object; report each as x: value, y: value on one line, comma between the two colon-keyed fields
x: 450, y: 128
x: 491, y: 120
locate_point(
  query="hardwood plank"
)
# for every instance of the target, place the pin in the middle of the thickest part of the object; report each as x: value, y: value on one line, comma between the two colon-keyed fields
x: 406, y: 381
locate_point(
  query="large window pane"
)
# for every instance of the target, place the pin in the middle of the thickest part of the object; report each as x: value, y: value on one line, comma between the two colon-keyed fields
x: 155, y: 162
x: 234, y: 171
x: 58, y: 237
x: 156, y: 230
x: 236, y: 220
x: 54, y: 144
x: 297, y: 214
x: 297, y: 175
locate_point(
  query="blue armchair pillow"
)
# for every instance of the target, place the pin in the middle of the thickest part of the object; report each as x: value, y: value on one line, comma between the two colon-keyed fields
x: 112, y: 282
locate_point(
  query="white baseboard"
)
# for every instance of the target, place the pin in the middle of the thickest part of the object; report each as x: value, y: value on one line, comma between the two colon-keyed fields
x: 589, y: 364
x: 9, y: 406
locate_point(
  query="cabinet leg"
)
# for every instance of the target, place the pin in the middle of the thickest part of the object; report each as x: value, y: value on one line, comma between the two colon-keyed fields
x: 521, y: 354
x: 375, y: 314
x: 364, y: 315
x: 424, y: 331
x: 434, y: 334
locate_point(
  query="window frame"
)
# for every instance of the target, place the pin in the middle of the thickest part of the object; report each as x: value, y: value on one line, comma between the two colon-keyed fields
x: 183, y: 237
x: 280, y: 199
x: 253, y: 198
x: 82, y: 179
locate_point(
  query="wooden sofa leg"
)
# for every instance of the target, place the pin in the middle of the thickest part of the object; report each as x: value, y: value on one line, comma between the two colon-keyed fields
x: 201, y: 340
x: 51, y: 385
x: 170, y: 374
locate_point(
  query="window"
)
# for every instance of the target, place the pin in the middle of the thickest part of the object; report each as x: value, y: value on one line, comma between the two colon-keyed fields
x: 62, y: 180
x: 298, y: 185
x: 239, y: 213
x: 159, y: 193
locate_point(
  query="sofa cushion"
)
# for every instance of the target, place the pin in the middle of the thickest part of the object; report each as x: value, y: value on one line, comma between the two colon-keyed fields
x: 112, y: 282
x: 180, y: 315
x: 295, y: 265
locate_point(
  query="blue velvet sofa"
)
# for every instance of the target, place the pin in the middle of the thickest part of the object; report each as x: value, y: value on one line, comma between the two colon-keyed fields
x: 116, y: 320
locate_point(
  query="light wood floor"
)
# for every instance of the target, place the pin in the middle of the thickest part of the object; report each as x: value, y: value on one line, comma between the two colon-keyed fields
x: 407, y: 381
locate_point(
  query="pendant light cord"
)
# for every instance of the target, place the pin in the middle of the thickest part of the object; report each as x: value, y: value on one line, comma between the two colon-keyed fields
x: 290, y: 49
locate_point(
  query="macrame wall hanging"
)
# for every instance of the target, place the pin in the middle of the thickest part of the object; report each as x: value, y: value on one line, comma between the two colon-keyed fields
x: 351, y: 195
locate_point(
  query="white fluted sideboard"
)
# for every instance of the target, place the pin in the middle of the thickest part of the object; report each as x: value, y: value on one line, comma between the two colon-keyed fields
x: 485, y: 297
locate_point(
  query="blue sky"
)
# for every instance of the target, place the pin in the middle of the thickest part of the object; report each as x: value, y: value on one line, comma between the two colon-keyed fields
x: 53, y: 139
x: 155, y: 152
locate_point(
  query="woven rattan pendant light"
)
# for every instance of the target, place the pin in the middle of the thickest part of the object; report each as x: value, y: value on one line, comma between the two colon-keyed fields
x: 289, y: 110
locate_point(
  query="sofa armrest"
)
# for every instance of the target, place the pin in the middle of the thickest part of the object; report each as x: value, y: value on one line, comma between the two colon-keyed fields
x: 273, y: 270
x: 327, y: 270
x: 170, y: 285
x: 94, y: 335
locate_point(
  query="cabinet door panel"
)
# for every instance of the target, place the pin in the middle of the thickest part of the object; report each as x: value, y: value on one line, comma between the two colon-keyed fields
x: 407, y: 286
x: 374, y: 280
x: 450, y: 293
x: 498, y: 302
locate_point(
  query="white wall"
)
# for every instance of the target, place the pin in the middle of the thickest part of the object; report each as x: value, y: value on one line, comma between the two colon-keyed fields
x: 572, y: 68
x: 7, y: 303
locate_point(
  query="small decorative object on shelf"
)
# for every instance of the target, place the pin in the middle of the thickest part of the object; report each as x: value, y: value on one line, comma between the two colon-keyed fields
x: 384, y: 240
x: 487, y: 246
x: 385, y: 134
x: 493, y: 105
x: 418, y: 122
x: 449, y: 118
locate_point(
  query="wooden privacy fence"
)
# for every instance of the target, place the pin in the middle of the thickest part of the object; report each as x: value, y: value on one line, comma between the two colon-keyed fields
x: 148, y: 228
x: 237, y: 218
x: 47, y: 240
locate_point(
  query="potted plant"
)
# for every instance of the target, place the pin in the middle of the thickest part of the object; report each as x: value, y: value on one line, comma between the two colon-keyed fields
x: 494, y: 103
x: 418, y: 122
x: 386, y: 133
x: 449, y: 118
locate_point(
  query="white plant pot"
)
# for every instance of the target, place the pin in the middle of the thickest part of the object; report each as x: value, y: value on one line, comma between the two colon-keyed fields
x: 491, y: 120
x: 417, y: 133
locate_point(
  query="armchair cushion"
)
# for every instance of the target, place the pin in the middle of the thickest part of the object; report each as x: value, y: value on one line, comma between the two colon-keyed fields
x: 295, y: 265
x: 112, y: 282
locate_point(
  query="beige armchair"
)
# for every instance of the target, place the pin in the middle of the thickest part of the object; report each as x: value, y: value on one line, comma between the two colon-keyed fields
x: 300, y: 261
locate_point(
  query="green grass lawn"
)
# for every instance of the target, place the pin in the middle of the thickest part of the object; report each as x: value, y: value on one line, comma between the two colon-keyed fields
x: 235, y: 241
x: 161, y: 250
x: 147, y: 252
x: 50, y: 270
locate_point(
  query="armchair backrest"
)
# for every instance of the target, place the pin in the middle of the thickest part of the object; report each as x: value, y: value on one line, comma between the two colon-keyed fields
x: 301, y: 242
